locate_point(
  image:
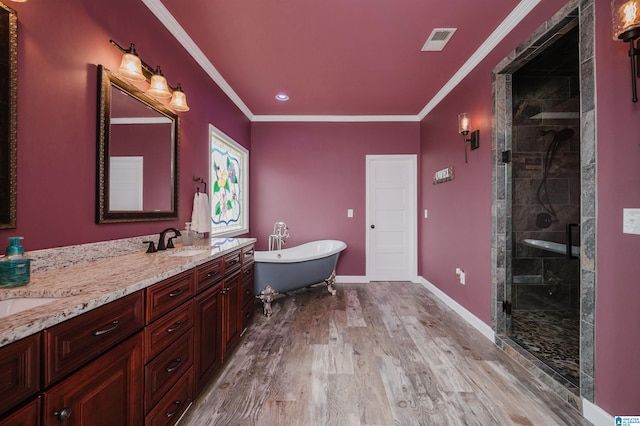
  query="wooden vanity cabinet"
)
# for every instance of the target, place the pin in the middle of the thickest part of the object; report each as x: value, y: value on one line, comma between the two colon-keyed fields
x: 71, y: 344
x: 106, y: 392
x: 218, y: 316
x: 208, y: 332
x: 248, y: 300
x: 169, y: 346
x: 19, y: 371
x: 28, y: 415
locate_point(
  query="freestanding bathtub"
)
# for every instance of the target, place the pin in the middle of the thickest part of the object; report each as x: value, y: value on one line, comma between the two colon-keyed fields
x: 280, y: 271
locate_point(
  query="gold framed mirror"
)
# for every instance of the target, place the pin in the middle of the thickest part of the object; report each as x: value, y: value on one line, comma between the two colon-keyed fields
x: 137, y: 155
x: 8, y: 116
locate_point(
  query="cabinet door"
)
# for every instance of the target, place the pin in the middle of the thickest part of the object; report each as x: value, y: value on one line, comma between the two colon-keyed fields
x: 208, y: 328
x: 106, y: 392
x: 19, y: 371
x: 232, y: 311
x: 29, y: 415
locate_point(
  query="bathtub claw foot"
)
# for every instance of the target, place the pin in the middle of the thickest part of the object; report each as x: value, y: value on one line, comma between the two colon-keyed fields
x: 266, y: 297
x: 330, y: 282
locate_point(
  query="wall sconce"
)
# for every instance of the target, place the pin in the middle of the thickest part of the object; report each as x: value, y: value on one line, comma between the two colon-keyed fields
x: 134, y: 68
x: 464, y: 127
x: 626, y: 27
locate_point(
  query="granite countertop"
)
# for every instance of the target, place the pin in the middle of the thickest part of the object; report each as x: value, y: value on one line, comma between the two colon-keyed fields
x: 88, y: 285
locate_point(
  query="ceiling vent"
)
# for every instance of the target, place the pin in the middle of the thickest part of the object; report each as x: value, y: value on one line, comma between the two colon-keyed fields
x: 438, y: 39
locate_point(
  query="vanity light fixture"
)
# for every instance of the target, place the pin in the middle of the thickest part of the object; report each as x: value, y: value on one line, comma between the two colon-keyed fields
x: 131, y: 65
x: 178, y: 100
x: 464, y: 127
x: 158, y: 87
x: 134, y: 68
x: 626, y: 27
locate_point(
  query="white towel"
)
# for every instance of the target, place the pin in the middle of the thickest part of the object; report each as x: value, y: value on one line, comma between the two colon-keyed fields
x: 201, y: 215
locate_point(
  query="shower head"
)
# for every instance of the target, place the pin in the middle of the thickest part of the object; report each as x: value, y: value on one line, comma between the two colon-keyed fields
x: 564, y: 134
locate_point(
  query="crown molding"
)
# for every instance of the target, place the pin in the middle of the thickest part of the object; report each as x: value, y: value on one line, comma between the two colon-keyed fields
x: 172, y: 25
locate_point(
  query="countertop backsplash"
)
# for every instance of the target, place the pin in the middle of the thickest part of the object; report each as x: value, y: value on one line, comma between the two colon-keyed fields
x: 63, y: 257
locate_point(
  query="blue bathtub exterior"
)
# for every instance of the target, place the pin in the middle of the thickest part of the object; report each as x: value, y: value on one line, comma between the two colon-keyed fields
x: 284, y: 277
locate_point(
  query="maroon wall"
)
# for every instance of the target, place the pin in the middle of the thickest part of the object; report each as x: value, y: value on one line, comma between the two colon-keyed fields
x: 60, y: 45
x: 309, y: 174
x: 617, y: 365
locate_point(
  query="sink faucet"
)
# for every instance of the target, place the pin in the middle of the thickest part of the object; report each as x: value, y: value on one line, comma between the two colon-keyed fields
x: 161, y: 245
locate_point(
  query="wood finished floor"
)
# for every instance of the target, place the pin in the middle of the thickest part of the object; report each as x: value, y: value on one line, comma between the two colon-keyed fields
x: 375, y: 354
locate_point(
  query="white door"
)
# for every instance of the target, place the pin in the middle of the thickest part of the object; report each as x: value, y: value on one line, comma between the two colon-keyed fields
x: 125, y: 183
x: 392, y: 217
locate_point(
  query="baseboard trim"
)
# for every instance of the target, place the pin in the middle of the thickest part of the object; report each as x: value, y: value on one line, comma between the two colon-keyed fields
x: 351, y: 279
x: 595, y: 414
x: 473, y: 320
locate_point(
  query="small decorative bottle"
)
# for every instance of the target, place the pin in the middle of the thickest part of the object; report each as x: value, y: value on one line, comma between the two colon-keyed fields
x: 15, y: 267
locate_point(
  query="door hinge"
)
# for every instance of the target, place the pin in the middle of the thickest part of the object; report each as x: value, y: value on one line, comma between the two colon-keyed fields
x: 506, y: 307
x: 506, y: 156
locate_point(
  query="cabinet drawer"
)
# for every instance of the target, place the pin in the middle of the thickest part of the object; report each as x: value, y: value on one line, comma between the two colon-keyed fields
x: 173, y: 404
x: 71, y: 344
x: 209, y: 274
x: 168, y: 329
x: 168, y: 294
x: 19, y: 371
x: 232, y: 262
x: 247, y: 254
x: 247, y: 314
x: 165, y: 369
x: 247, y: 285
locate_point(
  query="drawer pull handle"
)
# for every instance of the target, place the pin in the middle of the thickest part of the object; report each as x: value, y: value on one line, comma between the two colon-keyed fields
x: 248, y: 271
x: 177, y: 362
x: 175, y: 327
x: 211, y: 274
x: 115, y: 324
x: 172, y: 413
x: 249, y: 253
x: 63, y: 414
x: 177, y: 292
x: 233, y: 262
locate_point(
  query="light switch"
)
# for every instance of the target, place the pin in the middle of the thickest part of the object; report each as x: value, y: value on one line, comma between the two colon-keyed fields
x: 631, y: 221
x: 349, y: 212
x: 426, y: 214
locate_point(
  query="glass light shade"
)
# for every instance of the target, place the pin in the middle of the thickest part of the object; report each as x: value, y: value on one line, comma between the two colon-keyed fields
x: 464, y: 123
x: 626, y: 17
x: 179, y: 100
x: 131, y: 67
x: 158, y: 87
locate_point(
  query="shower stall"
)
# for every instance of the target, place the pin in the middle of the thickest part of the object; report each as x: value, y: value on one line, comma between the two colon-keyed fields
x: 545, y: 191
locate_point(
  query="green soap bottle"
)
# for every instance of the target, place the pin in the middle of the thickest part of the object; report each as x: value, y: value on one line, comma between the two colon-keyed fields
x: 15, y: 267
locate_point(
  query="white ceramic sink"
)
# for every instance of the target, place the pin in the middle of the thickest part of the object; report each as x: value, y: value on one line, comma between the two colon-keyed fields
x: 188, y: 252
x: 19, y: 304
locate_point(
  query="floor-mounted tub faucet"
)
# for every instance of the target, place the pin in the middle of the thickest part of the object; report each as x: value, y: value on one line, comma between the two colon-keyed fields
x: 280, y: 233
x: 161, y: 243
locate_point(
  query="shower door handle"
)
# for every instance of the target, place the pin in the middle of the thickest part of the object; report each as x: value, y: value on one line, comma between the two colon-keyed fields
x: 569, y: 240
x: 373, y: 226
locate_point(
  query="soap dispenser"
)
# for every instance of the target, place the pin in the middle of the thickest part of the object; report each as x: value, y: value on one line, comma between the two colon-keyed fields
x: 15, y: 267
x: 187, y: 235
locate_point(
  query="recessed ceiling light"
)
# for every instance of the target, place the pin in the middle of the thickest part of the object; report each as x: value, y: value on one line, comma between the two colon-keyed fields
x: 282, y: 97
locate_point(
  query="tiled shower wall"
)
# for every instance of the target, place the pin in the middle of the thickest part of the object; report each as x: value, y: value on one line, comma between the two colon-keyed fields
x: 541, y: 279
